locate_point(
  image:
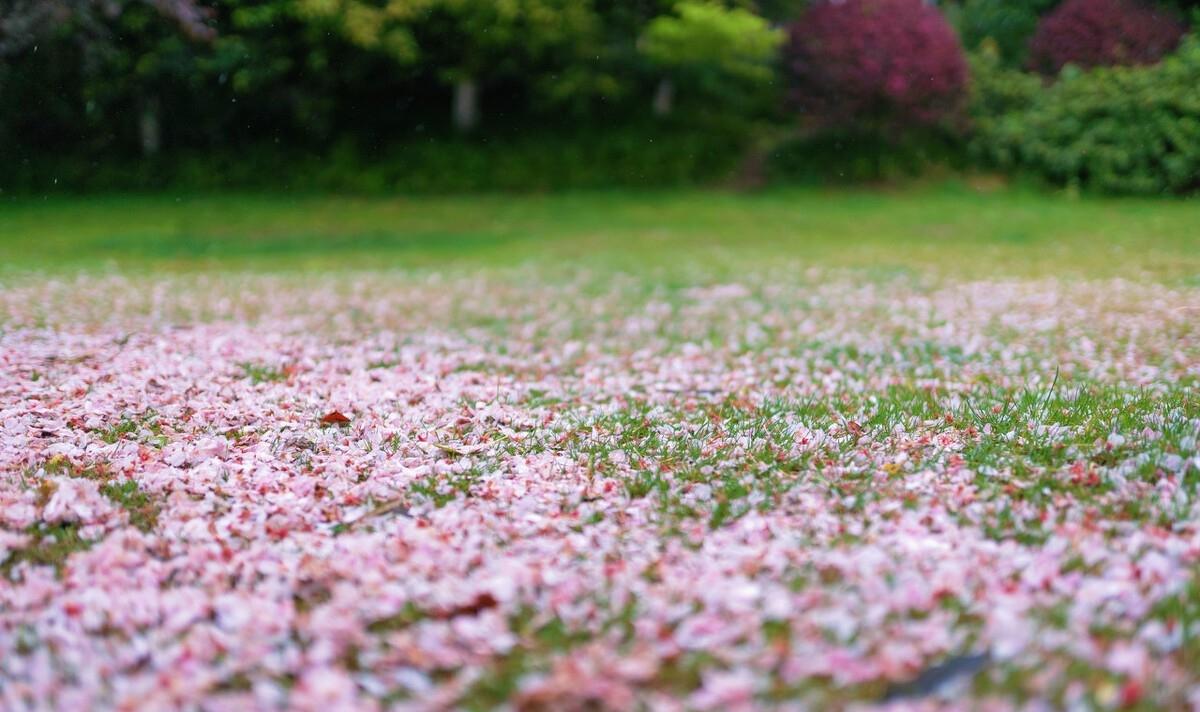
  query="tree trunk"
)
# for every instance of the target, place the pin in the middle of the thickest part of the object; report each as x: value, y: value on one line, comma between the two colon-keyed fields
x: 150, y: 128
x: 466, y: 105
x: 664, y: 98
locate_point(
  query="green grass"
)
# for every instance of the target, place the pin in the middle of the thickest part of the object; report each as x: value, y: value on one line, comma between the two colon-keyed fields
x: 950, y: 228
x: 52, y: 545
x: 261, y: 373
x: 142, y: 509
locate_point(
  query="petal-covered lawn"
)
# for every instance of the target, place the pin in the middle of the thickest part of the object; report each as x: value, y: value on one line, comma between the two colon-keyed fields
x: 798, y: 489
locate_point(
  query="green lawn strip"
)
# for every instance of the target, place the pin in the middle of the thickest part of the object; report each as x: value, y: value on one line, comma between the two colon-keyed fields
x: 948, y: 228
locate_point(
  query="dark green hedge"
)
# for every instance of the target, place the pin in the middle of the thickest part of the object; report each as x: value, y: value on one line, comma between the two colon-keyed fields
x: 847, y: 157
x: 529, y: 162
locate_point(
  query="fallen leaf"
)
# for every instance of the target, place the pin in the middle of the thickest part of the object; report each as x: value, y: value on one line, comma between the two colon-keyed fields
x: 334, y: 417
x: 480, y: 603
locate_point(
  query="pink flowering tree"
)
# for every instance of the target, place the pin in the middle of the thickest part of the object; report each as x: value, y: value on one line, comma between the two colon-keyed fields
x: 1095, y: 33
x: 883, y: 67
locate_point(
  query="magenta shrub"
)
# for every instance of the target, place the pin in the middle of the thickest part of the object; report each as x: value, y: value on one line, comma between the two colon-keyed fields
x: 1093, y: 33
x: 894, y: 63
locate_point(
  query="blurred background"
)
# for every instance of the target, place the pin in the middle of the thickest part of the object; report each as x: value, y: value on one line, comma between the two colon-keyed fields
x: 448, y: 96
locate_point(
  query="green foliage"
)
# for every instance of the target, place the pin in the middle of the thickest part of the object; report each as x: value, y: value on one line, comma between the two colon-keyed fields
x: 461, y: 38
x: 712, y: 45
x: 355, y: 95
x: 670, y: 155
x: 1133, y: 130
x: 848, y: 157
x: 1006, y: 25
x: 997, y: 91
x: 310, y: 75
x: 780, y: 11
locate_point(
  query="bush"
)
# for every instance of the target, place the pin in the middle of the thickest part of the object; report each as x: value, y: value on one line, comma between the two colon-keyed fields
x: 623, y: 157
x: 1098, y: 33
x: 1132, y: 130
x: 1007, y: 24
x: 998, y: 89
x: 997, y: 92
x: 877, y: 64
x: 843, y: 157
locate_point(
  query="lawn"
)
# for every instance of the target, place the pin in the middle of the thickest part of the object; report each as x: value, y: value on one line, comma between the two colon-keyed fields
x: 948, y: 228
x: 797, y: 449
